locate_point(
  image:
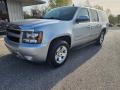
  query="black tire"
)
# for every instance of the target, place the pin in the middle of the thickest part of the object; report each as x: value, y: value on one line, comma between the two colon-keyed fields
x: 100, y: 38
x: 53, y: 50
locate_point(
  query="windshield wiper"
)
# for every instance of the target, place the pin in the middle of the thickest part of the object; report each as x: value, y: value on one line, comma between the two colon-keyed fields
x: 52, y: 18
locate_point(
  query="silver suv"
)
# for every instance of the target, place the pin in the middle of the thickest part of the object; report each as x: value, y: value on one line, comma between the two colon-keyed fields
x: 51, y: 38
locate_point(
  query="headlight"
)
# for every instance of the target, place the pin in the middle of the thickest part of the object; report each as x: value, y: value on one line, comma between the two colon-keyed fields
x: 32, y: 37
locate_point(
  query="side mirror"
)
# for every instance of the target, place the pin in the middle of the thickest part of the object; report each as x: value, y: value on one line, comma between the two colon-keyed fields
x: 82, y: 19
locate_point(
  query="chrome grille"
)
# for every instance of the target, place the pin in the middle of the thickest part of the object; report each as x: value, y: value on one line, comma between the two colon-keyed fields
x: 14, y: 35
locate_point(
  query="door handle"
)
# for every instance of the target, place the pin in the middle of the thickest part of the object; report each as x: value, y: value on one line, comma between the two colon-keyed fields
x: 98, y: 25
x: 94, y: 26
x: 88, y: 26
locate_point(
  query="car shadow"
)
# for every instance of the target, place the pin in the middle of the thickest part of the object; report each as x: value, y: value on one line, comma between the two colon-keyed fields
x: 17, y: 74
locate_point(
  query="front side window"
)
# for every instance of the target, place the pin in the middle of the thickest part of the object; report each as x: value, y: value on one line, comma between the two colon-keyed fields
x: 94, y: 15
x: 83, y: 12
x: 63, y: 13
x: 83, y: 15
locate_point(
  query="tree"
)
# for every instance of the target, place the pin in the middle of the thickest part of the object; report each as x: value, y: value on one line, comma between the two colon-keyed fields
x: 26, y: 15
x: 112, y: 19
x: 108, y: 11
x: 118, y: 19
x: 58, y: 3
x: 38, y: 11
x: 87, y: 3
x: 98, y: 7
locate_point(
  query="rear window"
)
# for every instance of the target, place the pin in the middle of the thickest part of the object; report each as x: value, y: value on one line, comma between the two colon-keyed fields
x: 103, y: 16
x: 94, y: 15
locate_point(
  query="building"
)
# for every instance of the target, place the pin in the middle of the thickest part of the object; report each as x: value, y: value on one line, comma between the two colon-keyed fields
x: 11, y: 10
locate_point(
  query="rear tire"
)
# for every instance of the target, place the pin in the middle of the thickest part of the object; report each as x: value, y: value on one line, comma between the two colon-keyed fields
x: 58, y: 53
x: 100, y: 39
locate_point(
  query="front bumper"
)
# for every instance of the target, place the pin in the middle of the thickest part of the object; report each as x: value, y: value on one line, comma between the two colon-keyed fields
x: 31, y: 52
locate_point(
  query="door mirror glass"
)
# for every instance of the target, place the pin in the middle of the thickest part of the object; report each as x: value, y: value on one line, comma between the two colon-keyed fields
x: 82, y: 19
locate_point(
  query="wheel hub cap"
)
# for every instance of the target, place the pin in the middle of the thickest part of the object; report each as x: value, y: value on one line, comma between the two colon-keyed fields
x: 61, y: 54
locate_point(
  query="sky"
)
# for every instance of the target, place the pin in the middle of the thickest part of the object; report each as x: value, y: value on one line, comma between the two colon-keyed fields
x: 113, y: 5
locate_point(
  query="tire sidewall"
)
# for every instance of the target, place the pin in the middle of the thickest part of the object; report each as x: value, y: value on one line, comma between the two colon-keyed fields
x: 52, y: 52
x: 102, y: 33
x: 98, y: 40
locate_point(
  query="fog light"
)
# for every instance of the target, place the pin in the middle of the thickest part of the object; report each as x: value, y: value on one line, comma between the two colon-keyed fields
x: 28, y: 58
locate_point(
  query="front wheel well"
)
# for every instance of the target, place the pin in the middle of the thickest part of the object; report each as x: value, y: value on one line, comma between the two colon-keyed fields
x: 64, y: 38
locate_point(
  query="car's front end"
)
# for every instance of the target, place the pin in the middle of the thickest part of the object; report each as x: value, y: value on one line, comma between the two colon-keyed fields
x: 26, y: 44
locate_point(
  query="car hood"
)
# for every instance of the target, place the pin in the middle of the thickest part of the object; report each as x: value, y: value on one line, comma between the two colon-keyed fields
x: 33, y: 23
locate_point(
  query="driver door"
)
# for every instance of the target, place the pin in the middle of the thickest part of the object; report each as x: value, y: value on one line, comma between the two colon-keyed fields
x: 81, y: 30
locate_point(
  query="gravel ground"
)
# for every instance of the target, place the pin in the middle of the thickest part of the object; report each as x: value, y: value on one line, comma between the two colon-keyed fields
x: 101, y: 72
x: 89, y: 68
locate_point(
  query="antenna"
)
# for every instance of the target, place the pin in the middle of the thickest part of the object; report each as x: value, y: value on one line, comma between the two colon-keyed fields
x: 73, y: 5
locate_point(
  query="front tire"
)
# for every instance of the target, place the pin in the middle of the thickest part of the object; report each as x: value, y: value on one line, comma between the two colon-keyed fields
x: 58, y: 53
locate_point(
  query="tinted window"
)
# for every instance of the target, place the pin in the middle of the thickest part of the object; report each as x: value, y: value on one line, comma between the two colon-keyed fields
x: 83, y: 12
x: 64, y: 13
x: 94, y: 15
x: 103, y: 16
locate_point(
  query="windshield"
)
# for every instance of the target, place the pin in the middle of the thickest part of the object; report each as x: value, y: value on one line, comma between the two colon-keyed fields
x: 63, y: 13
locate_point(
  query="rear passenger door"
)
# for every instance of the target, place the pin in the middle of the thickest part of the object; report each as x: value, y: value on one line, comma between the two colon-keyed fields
x: 95, y: 24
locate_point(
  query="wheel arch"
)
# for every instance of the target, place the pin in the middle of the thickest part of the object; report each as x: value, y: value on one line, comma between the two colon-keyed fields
x: 104, y: 30
x: 66, y: 38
